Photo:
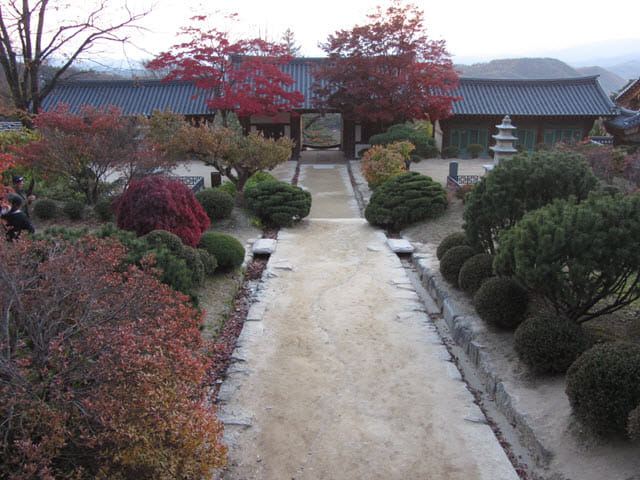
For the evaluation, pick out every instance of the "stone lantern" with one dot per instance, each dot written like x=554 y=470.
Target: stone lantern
x=504 y=141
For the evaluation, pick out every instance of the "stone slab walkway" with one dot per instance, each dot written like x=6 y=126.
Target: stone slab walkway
x=339 y=372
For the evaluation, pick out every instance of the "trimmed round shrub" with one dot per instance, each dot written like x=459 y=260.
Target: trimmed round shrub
x=451 y=240
x=452 y=262
x=475 y=271
x=549 y=343
x=74 y=209
x=217 y=203
x=160 y=203
x=227 y=250
x=405 y=199
x=430 y=152
x=450 y=152
x=603 y=386
x=164 y=238
x=475 y=149
x=278 y=204
x=102 y=209
x=501 y=302
x=45 y=209
x=209 y=262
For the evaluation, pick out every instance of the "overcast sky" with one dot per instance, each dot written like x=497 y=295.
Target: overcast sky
x=473 y=29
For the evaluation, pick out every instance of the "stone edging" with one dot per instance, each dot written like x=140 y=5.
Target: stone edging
x=463 y=335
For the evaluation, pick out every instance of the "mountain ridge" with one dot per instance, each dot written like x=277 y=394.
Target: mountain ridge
x=540 y=67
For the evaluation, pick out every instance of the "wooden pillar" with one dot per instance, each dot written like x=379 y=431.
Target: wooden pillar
x=296 y=135
x=539 y=133
x=349 y=138
x=245 y=123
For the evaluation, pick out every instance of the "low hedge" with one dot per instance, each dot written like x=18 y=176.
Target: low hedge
x=227 y=250
x=603 y=386
x=45 y=209
x=474 y=272
x=278 y=204
x=501 y=302
x=452 y=262
x=216 y=203
x=451 y=240
x=405 y=199
x=549 y=343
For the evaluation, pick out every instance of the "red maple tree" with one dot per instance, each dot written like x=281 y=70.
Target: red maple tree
x=242 y=76
x=160 y=203
x=103 y=369
x=386 y=71
x=85 y=148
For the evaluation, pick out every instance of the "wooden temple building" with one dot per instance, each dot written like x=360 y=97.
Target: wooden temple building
x=544 y=111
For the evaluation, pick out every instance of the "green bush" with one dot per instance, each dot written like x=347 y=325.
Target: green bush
x=102 y=209
x=430 y=152
x=549 y=343
x=575 y=255
x=175 y=271
x=501 y=302
x=45 y=209
x=171 y=241
x=452 y=262
x=380 y=163
x=474 y=272
x=193 y=259
x=405 y=199
x=228 y=251
x=450 y=152
x=278 y=204
x=423 y=143
x=209 y=262
x=74 y=209
x=259 y=177
x=451 y=240
x=519 y=185
x=230 y=188
x=603 y=386
x=217 y=203
x=475 y=149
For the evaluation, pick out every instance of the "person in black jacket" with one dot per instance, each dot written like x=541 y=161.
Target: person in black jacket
x=15 y=219
x=18 y=189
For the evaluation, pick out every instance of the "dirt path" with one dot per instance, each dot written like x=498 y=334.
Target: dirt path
x=340 y=374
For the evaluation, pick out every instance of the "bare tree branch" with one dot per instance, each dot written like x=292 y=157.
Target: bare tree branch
x=27 y=43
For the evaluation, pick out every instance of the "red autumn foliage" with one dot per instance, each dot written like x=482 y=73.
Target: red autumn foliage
x=387 y=70
x=84 y=148
x=161 y=203
x=102 y=369
x=612 y=165
x=242 y=76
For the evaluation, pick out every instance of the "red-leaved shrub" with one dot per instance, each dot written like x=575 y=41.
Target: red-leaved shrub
x=102 y=369
x=161 y=203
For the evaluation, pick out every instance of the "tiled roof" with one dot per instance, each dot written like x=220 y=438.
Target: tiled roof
x=628 y=90
x=624 y=120
x=300 y=70
x=581 y=96
x=132 y=96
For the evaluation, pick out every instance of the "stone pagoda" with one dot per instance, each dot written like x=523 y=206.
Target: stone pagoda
x=504 y=141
